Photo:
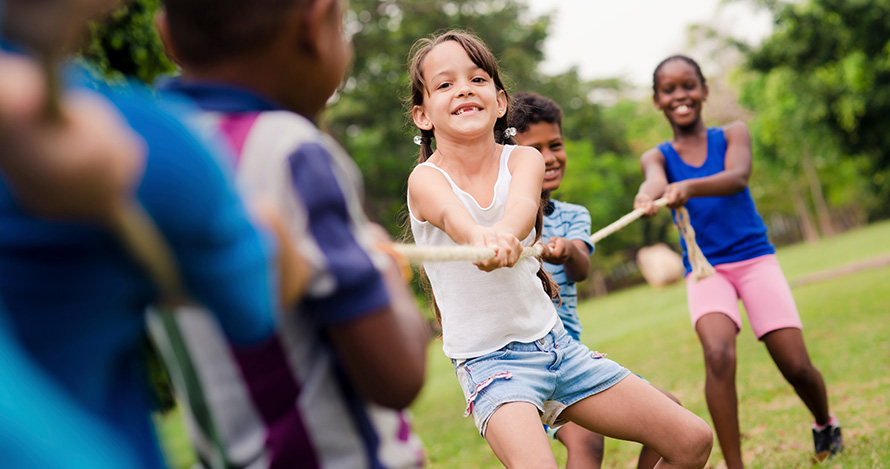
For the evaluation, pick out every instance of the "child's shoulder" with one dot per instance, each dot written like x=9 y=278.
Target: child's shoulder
x=526 y=157
x=524 y=152
x=736 y=130
x=653 y=155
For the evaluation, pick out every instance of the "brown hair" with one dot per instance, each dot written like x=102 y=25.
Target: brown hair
x=484 y=59
x=479 y=54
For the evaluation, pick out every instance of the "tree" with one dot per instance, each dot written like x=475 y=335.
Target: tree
x=127 y=45
x=834 y=56
x=368 y=115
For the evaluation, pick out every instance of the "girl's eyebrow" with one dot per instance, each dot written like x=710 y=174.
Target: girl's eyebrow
x=445 y=73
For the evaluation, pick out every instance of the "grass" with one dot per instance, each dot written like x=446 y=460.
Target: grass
x=846 y=326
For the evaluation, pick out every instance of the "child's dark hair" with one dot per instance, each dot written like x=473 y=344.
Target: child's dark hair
x=207 y=31
x=532 y=108
x=479 y=54
x=684 y=58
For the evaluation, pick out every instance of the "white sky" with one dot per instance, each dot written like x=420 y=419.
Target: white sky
x=627 y=38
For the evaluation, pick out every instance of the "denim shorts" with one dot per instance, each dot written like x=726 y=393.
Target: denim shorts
x=550 y=373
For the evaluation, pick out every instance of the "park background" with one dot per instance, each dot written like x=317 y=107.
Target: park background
x=813 y=88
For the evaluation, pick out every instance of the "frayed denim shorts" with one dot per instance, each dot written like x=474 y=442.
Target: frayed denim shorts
x=551 y=373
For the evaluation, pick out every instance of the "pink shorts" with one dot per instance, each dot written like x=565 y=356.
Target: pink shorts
x=761 y=286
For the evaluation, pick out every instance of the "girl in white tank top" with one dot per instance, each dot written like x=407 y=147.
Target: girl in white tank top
x=516 y=364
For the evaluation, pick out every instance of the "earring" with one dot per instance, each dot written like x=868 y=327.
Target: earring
x=510 y=132
x=418 y=140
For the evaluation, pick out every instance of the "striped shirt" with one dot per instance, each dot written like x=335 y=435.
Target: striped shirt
x=568 y=221
x=288 y=403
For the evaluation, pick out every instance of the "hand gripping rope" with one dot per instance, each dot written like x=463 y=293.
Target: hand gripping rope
x=701 y=268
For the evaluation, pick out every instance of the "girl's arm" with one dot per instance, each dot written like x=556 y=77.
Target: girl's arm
x=526 y=166
x=572 y=254
x=733 y=179
x=431 y=199
x=652 y=164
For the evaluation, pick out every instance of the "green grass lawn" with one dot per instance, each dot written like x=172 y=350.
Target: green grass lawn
x=846 y=326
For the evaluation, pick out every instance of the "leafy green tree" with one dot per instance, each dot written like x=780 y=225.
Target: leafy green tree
x=127 y=45
x=368 y=115
x=834 y=58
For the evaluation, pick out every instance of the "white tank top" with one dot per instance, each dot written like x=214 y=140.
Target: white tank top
x=484 y=311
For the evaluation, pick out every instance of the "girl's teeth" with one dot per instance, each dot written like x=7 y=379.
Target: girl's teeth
x=682 y=108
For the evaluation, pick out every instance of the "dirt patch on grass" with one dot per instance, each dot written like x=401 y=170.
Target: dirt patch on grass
x=847 y=269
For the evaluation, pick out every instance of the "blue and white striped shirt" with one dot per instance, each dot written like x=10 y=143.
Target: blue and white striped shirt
x=568 y=221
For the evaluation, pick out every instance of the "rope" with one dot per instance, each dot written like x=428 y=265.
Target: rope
x=701 y=268
x=623 y=221
x=417 y=255
x=142 y=239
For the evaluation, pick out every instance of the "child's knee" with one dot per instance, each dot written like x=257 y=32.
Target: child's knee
x=698 y=442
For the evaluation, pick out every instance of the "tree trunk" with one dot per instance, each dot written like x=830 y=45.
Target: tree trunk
x=822 y=212
x=807 y=228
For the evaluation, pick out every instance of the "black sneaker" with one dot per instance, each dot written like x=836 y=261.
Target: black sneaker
x=828 y=441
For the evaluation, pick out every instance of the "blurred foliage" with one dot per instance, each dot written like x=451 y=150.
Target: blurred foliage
x=126 y=44
x=368 y=115
x=816 y=91
x=822 y=87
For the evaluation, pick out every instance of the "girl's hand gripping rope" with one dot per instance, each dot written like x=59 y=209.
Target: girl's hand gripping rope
x=506 y=247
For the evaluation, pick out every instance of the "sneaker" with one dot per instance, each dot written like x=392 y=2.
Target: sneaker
x=827 y=440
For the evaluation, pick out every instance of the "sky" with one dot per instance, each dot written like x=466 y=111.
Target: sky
x=627 y=38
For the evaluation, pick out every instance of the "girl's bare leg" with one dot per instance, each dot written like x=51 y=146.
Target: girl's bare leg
x=788 y=350
x=634 y=410
x=717 y=333
x=584 y=448
x=516 y=436
x=648 y=457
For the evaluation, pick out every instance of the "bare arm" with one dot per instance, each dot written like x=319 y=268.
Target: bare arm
x=733 y=179
x=432 y=199
x=384 y=353
x=527 y=169
x=655 y=182
x=571 y=254
x=84 y=166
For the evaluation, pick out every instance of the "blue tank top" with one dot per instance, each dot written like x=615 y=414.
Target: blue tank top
x=727 y=228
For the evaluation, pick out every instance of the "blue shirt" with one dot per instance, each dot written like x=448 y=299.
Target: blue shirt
x=40 y=426
x=727 y=228
x=76 y=299
x=572 y=222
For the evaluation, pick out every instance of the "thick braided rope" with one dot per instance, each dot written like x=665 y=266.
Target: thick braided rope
x=417 y=255
x=701 y=268
x=623 y=221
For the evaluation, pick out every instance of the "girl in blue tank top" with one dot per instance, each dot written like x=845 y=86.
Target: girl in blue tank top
x=706 y=170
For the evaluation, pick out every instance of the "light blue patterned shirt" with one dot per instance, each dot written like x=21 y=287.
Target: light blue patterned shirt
x=568 y=221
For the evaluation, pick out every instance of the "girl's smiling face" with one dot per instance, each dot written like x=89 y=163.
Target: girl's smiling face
x=679 y=93
x=461 y=98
